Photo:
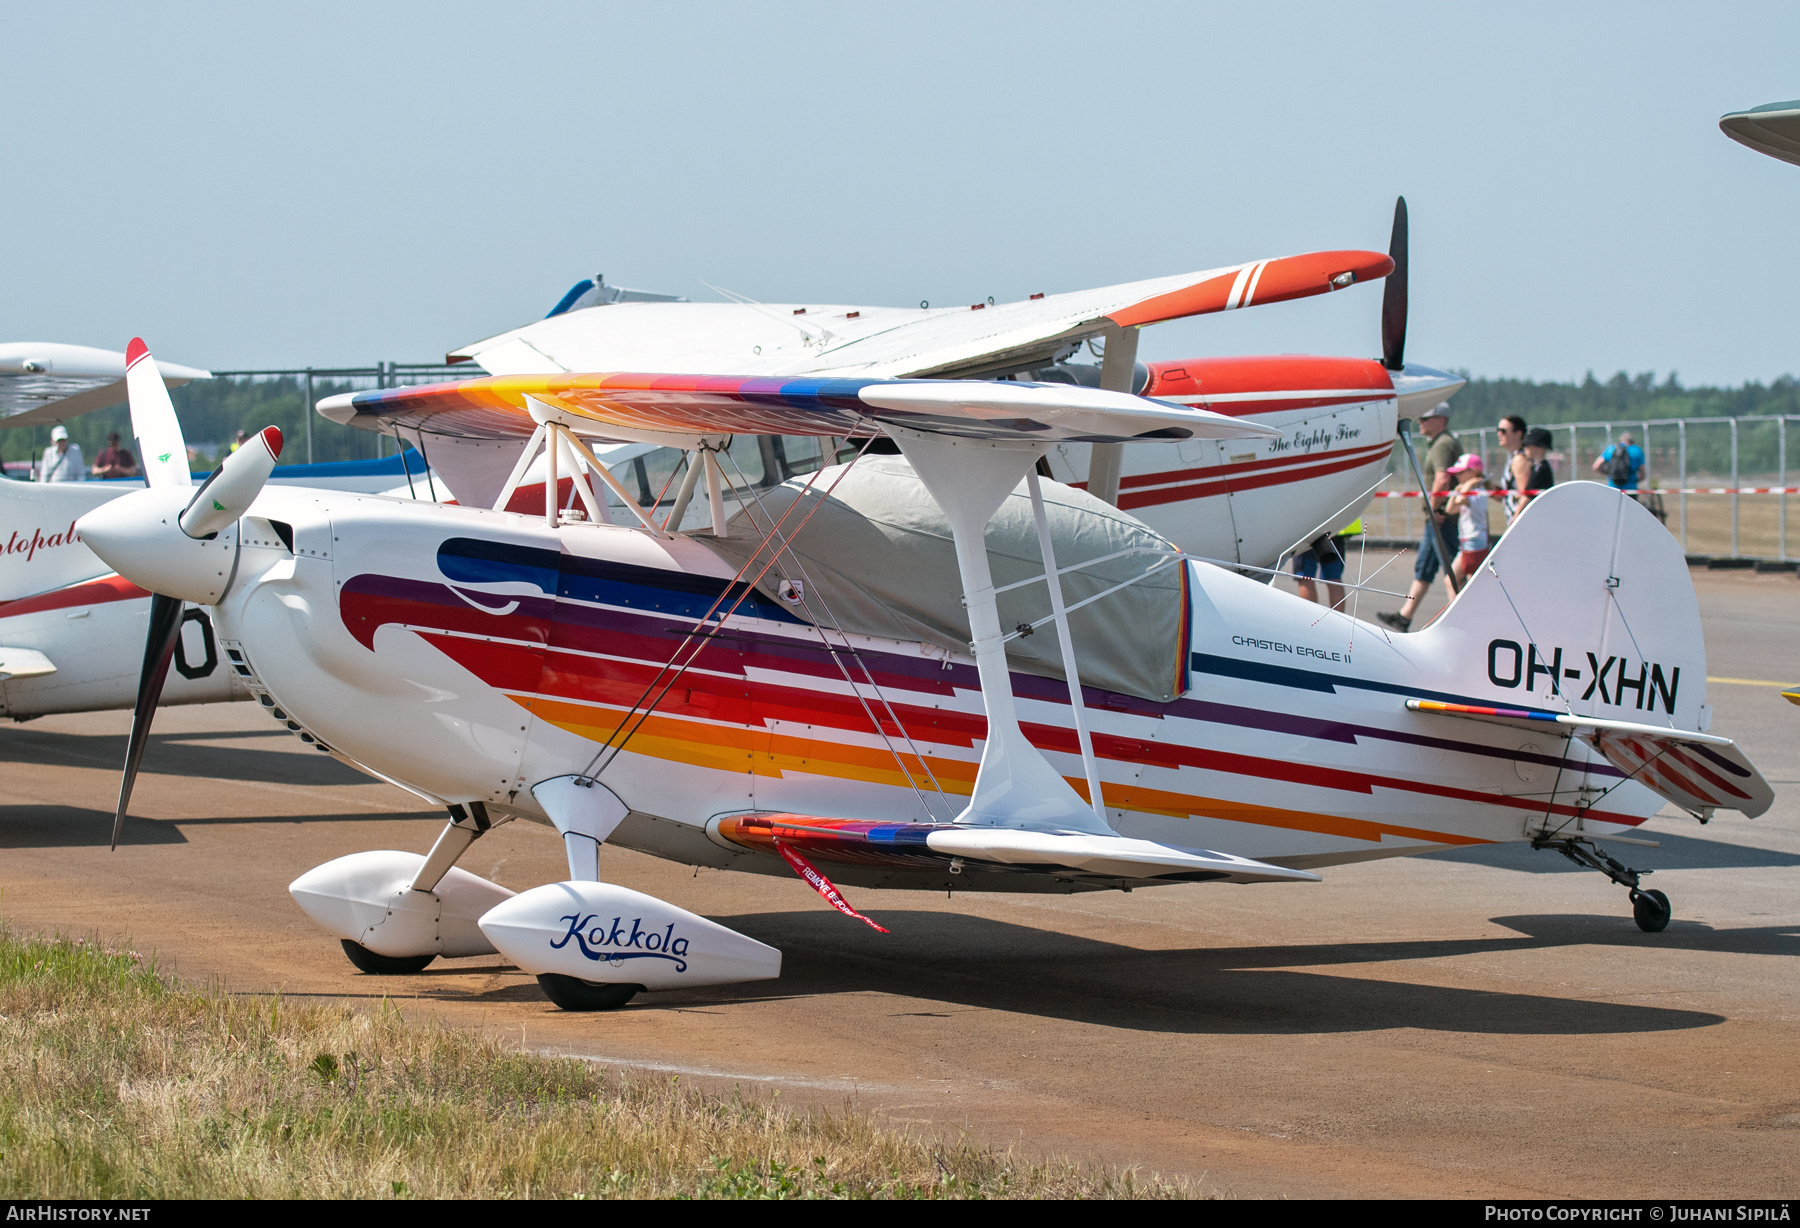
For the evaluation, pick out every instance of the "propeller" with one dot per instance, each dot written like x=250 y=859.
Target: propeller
x=225 y=496
x=159 y=648
x=1393 y=296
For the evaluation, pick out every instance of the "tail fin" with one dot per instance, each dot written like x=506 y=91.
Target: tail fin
x=1586 y=610
x=1584 y=607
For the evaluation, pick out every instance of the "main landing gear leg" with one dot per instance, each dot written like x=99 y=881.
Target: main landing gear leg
x=467 y=825
x=1649 y=907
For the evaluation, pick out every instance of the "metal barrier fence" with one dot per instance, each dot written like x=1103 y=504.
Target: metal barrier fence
x=1722 y=483
x=381 y=375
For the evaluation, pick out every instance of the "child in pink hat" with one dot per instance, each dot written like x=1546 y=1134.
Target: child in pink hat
x=1470 y=503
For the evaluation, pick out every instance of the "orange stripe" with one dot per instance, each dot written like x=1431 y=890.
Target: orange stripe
x=735 y=749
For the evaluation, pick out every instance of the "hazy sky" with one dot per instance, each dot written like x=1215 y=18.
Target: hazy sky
x=257 y=185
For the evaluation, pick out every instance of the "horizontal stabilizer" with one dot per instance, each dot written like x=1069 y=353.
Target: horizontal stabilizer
x=980 y=848
x=23 y=663
x=1696 y=771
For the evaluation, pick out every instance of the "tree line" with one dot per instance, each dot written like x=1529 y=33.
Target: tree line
x=1630 y=400
x=213 y=411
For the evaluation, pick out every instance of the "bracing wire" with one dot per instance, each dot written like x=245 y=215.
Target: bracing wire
x=785 y=545
x=676 y=662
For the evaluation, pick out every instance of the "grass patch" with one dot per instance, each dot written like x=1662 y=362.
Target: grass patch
x=118 y=1082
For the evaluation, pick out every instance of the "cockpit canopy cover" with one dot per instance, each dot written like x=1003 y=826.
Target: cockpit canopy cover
x=877 y=559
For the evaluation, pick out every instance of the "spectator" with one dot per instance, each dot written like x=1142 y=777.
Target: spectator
x=239 y=441
x=114 y=461
x=1323 y=560
x=1470 y=503
x=1518 y=470
x=62 y=459
x=1622 y=463
x=1541 y=477
x=1442 y=451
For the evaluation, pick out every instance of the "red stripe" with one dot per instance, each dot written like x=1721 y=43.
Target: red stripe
x=1701 y=770
x=88 y=592
x=1222 y=486
x=528 y=670
x=1659 y=765
x=1214 y=472
x=1244 y=409
x=1675 y=782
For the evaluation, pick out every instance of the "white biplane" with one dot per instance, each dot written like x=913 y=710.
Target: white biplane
x=923 y=675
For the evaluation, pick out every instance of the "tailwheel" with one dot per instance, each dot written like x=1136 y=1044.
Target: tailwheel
x=383 y=965
x=1650 y=909
x=577 y=995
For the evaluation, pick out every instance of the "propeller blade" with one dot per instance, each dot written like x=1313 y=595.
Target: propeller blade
x=160 y=445
x=230 y=489
x=1393 y=296
x=159 y=648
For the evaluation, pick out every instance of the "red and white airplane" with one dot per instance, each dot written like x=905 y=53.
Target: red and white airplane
x=1246 y=501
x=65 y=619
x=844 y=682
x=72 y=629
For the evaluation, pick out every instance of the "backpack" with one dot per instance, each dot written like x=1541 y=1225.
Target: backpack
x=1620 y=471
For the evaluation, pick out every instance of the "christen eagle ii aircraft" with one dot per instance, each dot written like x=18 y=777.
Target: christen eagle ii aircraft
x=819 y=693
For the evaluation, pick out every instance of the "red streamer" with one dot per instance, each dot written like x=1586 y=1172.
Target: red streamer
x=822 y=885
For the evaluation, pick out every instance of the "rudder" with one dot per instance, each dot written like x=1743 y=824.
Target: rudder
x=1586 y=607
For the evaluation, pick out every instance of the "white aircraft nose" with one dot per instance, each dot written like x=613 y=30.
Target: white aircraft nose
x=1421 y=387
x=139 y=536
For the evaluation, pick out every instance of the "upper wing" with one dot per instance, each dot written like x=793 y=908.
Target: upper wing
x=43 y=382
x=893 y=342
x=1696 y=771
x=635 y=406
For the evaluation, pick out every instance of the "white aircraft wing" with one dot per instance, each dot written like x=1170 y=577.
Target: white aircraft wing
x=1696 y=771
x=892 y=342
x=614 y=406
x=43 y=381
x=979 y=847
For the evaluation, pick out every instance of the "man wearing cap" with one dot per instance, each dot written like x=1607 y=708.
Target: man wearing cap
x=62 y=459
x=1441 y=452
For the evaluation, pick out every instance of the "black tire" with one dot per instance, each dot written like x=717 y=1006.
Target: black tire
x=1650 y=909
x=383 y=965
x=577 y=995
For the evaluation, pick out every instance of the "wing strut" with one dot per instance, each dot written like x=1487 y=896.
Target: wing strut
x=1053 y=580
x=1015 y=785
x=1107 y=460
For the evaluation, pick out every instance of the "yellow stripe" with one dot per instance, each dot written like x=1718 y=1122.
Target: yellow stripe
x=1753 y=682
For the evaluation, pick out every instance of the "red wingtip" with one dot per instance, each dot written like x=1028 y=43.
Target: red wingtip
x=136 y=350
x=272 y=439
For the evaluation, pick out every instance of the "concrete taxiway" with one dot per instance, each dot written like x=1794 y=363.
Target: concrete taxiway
x=1473 y=1023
